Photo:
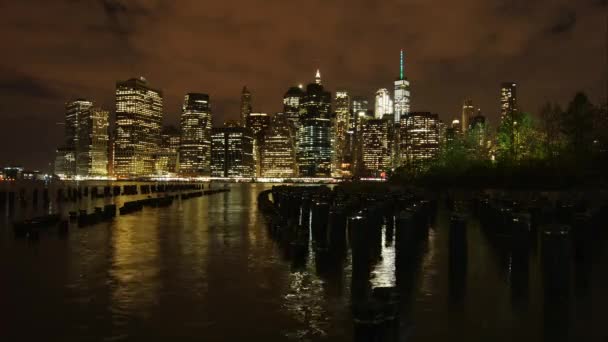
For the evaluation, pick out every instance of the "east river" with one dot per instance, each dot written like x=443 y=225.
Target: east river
x=206 y=269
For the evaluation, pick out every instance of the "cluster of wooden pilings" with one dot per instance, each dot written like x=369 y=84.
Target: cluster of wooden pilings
x=31 y=228
x=24 y=193
x=330 y=221
x=566 y=232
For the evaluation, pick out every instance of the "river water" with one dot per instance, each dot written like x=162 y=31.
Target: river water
x=206 y=269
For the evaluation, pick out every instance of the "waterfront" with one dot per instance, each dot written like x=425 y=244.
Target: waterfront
x=207 y=269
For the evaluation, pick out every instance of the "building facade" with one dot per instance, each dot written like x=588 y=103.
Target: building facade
x=232 y=152
x=92 y=143
x=508 y=100
x=195 y=143
x=167 y=159
x=420 y=138
x=258 y=123
x=402 y=92
x=139 y=113
x=341 y=128
x=375 y=147
x=384 y=104
x=468 y=111
x=291 y=105
x=278 y=157
x=315 y=135
x=246 y=107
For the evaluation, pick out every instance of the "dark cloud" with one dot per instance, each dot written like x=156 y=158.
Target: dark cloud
x=564 y=23
x=25 y=86
x=61 y=49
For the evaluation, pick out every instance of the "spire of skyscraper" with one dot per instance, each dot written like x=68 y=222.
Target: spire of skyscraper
x=401 y=66
x=318 y=77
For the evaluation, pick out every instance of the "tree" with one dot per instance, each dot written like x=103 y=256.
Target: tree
x=577 y=126
x=519 y=139
x=550 y=115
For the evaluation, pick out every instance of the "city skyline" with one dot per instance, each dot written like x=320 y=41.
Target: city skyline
x=444 y=68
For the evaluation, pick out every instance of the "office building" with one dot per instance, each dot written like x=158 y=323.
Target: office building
x=258 y=123
x=468 y=111
x=65 y=163
x=508 y=101
x=195 y=144
x=245 y=105
x=291 y=105
x=167 y=159
x=92 y=143
x=402 y=92
x=384 y=104
x=420 y=135
x=139 y=112
x=375 y=152
x=232 y=152
x=66 y=155
x=315 y=135
x=341 y=128
x=278 y=157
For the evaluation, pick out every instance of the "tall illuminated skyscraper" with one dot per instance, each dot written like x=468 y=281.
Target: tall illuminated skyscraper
x=508 y=100
x=291 y=105
x=258 y=123
x=375 y=147
x=139 y=113
x=245 y=105
x=278 y=152
x=341 y=127
x=168 y=156
x=74 y=111
x=195 y=144
x=92 y=144
x=402 y=92
x=468 y=111
x=384 y=104
x=66 y=156
x=314 y=138
x=420 y=134
x=232 y=152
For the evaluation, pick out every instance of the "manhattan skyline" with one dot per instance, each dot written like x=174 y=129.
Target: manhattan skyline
x=74 y=49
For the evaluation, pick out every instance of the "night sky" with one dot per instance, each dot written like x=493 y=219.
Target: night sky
x=54 y=50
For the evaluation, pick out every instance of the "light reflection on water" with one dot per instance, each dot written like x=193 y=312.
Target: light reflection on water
x=207 y=269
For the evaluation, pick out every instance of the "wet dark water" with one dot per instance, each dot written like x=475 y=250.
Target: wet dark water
x=206 y=269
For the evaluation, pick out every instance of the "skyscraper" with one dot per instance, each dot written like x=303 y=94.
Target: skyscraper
x=468 y=111
x=139 y=112
x=245 y=105
x=195 y=144
x=74 y=110
x=291 y=105
x=92 y=143
x=232 y=152
x=258 y=123
x=419 y=139
x=66 y=155
x=375 y=147
x=384 y=104
x=314 y=136
x=360 y=108
x=341 y=127
x=278 y=158
x=402 y=92
x=508 y=100
x=168 y=155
